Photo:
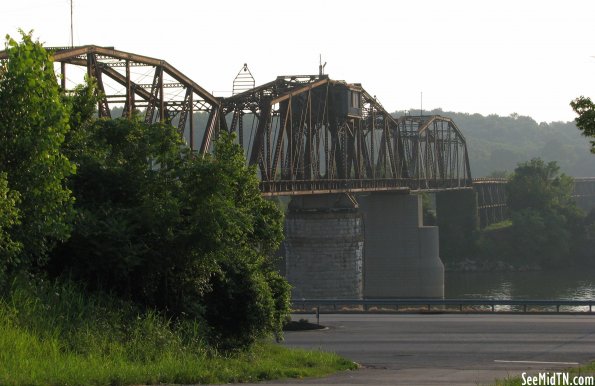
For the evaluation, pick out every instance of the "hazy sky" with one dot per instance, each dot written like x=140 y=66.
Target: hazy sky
x=502 y=57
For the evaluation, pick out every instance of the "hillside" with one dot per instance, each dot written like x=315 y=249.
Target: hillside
x=497 y=143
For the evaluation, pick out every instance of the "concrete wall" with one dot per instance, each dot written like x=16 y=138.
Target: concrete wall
x=324 y=247
x=401 y=255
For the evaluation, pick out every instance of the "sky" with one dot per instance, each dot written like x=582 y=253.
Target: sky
x=488 y=57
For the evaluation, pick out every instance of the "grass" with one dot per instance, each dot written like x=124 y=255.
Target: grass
x=584 y=370
x=54 y=334
x=498 y=226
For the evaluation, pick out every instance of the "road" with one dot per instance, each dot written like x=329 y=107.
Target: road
x=413 y=349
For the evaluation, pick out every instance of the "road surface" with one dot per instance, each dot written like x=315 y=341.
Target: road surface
x=447 y=349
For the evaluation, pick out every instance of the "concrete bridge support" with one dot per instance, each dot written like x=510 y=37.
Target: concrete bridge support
x=458 y=220
x=324 y=247
x=401 y=255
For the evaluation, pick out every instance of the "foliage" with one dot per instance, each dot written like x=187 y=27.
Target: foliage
x=171 y=230
x=55 y=333
x=585 y=121
x=33 y=124
x=546 y=224
x=540 y=186
x=499 y=225
x=124 y=207
x=8 y=218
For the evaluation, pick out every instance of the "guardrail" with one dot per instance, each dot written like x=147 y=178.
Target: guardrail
x=441 y=305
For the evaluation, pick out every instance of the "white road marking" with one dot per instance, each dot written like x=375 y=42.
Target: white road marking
x=537 y=362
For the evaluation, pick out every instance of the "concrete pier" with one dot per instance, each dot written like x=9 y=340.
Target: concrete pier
x=324 y=247
x=401 y=255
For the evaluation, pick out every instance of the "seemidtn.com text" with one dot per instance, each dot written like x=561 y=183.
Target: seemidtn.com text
x=557 y=379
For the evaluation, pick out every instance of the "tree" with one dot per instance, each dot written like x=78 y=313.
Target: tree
x=9 y=217
x=546 y=223
x=539 y=185
x=33 y=124
x=585 y=121
x=189 y=235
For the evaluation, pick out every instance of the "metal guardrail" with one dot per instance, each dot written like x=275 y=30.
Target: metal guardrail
x=425 y=305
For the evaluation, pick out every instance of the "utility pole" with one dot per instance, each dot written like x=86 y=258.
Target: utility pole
x=71 y=28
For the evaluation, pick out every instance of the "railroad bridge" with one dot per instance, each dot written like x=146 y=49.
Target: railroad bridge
x=354 y=225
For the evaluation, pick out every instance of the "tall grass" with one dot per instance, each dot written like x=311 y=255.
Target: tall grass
x=55 y=334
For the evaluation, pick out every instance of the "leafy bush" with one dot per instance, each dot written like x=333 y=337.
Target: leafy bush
x=9 y=217
x=56 y=333
x=33 y=124
x=152 y=222
x=546 y=224
x=171 y=230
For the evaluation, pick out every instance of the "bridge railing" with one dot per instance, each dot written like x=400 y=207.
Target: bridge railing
x=441 y=305
x=320 y=186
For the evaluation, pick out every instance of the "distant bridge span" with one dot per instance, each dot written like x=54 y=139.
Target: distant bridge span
x=492 y=206
x=306 y=134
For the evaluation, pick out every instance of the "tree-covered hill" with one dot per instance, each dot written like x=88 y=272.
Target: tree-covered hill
x=497 y=143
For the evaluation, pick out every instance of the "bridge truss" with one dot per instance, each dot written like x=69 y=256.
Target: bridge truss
x=130 y=82
x=306 y=134
x=311 y=134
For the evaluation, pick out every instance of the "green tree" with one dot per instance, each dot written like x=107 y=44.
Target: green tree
x=585 y=121
x=33 y=124
x=246 y=298
x=546 y=224
x=189 y=235
x=539 y=185
x=8 y=218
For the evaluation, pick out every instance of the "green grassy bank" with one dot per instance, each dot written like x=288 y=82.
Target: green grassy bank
x=55 y=334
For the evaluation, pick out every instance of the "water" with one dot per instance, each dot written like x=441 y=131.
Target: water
x=546 y=285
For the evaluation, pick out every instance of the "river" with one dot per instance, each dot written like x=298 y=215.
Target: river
x=563 y=284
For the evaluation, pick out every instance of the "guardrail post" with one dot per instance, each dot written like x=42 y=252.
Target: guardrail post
x=493 y=308
x=524 y=308
x=318 y=315
x=557 y=308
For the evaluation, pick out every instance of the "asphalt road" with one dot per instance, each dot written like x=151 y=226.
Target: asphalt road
x=411 y=349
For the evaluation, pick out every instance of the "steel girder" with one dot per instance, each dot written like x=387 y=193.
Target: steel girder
x=435 y=151
x=312 y=134
x=492 y=205
x=137 y=83
x=306 y=133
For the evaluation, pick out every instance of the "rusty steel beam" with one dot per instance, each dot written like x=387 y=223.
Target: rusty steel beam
x=162 y=101
x=146 y=60
x=313 y=128
x=309 y=133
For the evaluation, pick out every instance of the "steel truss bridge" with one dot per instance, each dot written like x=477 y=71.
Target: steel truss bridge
x=307 y=134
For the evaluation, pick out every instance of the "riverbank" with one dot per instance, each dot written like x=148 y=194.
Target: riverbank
x=53 y=333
